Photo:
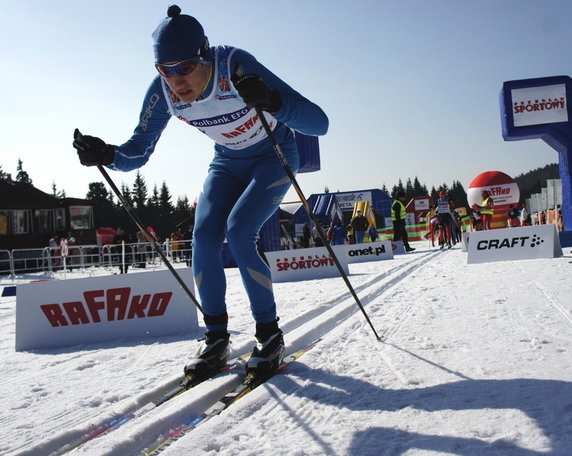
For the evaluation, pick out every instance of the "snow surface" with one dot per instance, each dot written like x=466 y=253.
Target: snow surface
x=475 y=361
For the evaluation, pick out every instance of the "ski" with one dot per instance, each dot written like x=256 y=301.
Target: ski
x=249 y=383
x=186 y=383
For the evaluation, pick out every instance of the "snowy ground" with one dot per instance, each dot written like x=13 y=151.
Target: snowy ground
x=475 y=361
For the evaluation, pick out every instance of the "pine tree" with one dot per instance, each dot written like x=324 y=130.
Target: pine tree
x=418 y=189
x=104 y=211
x=458 y=194
x=408 y=190
x=22 y=176
x=153 y=202
x=5 y=176
x=166 y=210
x=58 y=194
x=139 y=192
x=126 y=193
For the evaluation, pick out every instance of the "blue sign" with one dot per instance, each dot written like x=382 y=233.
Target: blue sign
x=539 y=109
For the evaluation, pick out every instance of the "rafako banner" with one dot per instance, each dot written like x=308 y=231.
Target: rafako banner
x=62 y=313
x=526 y=242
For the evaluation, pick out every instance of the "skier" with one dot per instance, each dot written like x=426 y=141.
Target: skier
x=444 y=219
x=216 y=89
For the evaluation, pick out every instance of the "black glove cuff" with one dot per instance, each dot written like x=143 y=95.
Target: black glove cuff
x=275 y=102
x=109 y=155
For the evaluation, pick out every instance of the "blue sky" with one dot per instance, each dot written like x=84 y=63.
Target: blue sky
x=411 y=87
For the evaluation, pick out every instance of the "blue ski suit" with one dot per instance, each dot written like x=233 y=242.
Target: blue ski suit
x=246 y=181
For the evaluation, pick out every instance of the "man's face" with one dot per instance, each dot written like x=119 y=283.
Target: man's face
x=189 y=87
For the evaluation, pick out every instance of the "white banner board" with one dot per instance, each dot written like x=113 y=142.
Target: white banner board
x=306 y=264
x=63 y=313
x=397 y=247
x=521 y=243
x=373 y=251
x=539 y=105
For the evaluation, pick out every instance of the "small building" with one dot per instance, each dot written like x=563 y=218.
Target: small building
x=29 y=217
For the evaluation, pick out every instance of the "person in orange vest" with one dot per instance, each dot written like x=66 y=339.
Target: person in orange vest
x=487 y=209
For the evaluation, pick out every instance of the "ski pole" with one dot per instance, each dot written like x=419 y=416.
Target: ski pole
x=148 y=235
x=306 y=205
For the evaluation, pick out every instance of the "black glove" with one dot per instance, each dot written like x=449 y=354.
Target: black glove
x=255 y=92
x=92 y=151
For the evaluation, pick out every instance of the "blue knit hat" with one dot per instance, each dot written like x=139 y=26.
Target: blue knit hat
x=177 y=37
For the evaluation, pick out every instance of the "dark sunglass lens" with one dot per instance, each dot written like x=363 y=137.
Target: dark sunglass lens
x=163 y=71
x=186 y=67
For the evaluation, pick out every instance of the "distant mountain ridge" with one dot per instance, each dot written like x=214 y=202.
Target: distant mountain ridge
x=532 y=181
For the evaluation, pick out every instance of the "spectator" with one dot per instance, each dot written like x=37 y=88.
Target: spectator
x=339 y=235
x=330 y=234
x=373 y=234
x=317 y=239
x=121 y=249
x=306 y=235
x=350 y=234
x=398 y=215
x=142 y=246
x=512 y=217
x=476 y=217
x=54 y=244
x=359 y=224
x=188 y=236
x=431 y=218
x=177 y=245
x=487 y=209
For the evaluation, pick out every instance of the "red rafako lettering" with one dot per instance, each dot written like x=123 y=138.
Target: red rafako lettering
x=241 y=128
x=138 y=305
x=113 y=304
x=117 y=301
x=93 y=305
x=159 y=304
x=76 y=312
x=54 y=314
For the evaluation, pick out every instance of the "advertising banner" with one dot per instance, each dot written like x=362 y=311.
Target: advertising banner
x=521 y=243
x=63 y=313
x=539 y=105
x=373 y=251
x=306 y=264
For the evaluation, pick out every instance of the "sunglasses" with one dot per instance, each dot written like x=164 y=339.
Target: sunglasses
x=182 y=68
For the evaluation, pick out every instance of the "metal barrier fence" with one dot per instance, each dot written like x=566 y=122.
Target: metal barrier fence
x=48 y=260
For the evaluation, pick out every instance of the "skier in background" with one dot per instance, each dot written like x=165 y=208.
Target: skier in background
x=216 y=89
x=444 y=219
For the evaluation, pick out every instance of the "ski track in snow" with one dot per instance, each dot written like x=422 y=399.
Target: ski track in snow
x=441 y=382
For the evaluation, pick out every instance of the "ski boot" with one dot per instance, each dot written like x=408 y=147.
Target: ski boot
x=268 y=353
x=211 y=356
